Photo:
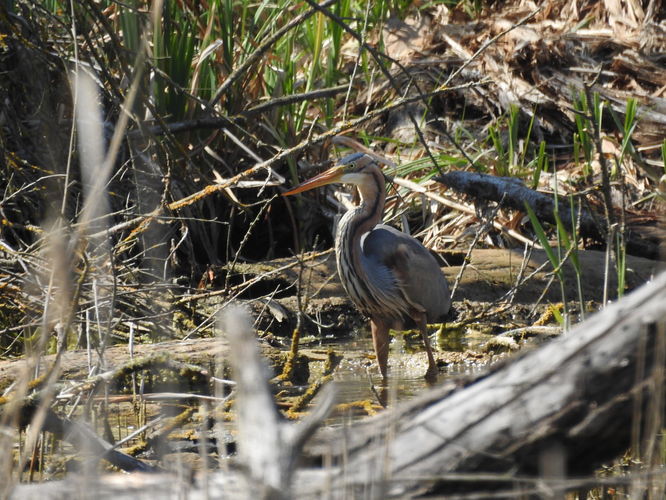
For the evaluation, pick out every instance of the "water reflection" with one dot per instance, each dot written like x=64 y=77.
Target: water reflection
x=358 y=377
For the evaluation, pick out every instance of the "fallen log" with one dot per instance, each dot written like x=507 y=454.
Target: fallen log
x=490 y=275
x=556 y=411
x=513 y=193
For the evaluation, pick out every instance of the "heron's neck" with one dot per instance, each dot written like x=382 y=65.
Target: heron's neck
x=369 y=212
x=360 y=220
x=351 y=227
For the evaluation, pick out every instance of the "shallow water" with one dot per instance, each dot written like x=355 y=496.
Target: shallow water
x=357 y=378
x=358 y=396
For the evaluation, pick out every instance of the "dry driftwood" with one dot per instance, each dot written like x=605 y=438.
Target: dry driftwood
x=512 y=193
x=573 y=401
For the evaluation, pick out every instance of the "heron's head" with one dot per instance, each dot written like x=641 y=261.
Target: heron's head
x=352 y=169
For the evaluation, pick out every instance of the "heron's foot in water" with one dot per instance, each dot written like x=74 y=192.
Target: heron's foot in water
x=431 y=375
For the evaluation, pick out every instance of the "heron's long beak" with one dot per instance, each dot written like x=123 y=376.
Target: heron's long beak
x=330 y=176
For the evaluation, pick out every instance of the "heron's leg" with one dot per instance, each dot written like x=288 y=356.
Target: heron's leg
x=380 y=339
x=421 y=321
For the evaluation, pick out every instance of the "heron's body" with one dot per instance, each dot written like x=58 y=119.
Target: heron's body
x=388 y=275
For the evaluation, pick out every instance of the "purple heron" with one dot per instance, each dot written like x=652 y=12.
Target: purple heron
x=388 y=275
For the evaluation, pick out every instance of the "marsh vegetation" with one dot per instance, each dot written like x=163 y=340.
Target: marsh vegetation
x=144 y=149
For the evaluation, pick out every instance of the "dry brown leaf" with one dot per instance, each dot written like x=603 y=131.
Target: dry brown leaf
x=406 y=40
